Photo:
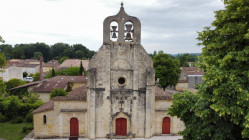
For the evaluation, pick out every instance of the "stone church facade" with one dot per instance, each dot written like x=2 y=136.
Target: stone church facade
x=120 y=99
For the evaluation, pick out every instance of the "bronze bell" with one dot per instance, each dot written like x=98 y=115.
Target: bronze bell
x=114 y=28
x=128 y=36
x=114 y=35
x=128 y=27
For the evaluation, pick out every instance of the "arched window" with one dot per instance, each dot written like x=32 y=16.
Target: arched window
x=128 y=32
x=114 y=31
x=44 y=119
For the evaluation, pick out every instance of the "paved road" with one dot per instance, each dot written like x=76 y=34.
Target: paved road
x=153 y=138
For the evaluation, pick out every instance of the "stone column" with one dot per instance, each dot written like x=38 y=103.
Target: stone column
x=92 y=116
x=149 y=103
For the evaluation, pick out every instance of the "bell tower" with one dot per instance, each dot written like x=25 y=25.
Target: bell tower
x=128 y=29
x=121 y=82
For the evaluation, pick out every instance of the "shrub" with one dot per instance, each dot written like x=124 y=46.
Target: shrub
x=17 y=119
x=29 y=116
x=11 y=107
x=3 y=118
x=58 y=92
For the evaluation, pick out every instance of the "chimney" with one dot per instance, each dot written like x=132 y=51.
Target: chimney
x=41 y=68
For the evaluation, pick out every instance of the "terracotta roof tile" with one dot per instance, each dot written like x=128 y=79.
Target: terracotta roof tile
x=46 y=107
x=74 y=63
x=26 y=85
x=78 y=94
x=195 y=73
x=58 y=82
x=27 y=65
x=190 y=69
x=160 y=94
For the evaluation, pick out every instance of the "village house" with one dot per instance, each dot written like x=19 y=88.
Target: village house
x=74 y=63
x=50 y=65
x=10 y=72
x=120 y=99
x=44 y=87
x=189 y=78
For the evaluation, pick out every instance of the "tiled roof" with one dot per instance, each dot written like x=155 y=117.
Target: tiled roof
x=195 y=73
x=26 y=85
x=46 y=107
x=27 y=65
x=50 y=65
x=74 y=63
x=78 y=94
x=58 y=82
x=190 y=69
x=32 y=60
x=160 y=94
x=20 y=61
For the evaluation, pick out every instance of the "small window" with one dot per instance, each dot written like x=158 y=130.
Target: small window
x=121 y=81
x=44 y=119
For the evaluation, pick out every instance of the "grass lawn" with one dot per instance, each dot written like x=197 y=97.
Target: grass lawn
x=10 y=131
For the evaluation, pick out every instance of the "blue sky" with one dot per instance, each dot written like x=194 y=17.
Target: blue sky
x=168 y=25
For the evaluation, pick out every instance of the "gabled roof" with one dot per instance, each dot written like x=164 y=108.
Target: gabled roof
x=58 y=82
x=46 y=107
x=160 y=94
x=27 y=85
x=74 y=63
x=78 y=94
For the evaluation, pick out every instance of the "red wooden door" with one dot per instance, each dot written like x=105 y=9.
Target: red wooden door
x=74 y=127
x=166 y=125
x=121 y=127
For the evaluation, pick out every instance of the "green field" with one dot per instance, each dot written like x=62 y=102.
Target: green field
x=10 y=131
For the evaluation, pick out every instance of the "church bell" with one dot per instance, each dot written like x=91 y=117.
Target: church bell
x=128 y=36
x=114 y=35
x=114 y=30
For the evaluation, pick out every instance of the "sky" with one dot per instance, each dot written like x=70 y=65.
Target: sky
x=167 y=25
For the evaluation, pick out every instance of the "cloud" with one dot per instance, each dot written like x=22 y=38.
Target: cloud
x=166 y=25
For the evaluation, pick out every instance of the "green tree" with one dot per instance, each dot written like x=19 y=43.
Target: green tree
x=221 y=110
x=58 y=92
x=62 y=59
x=8 y=50
x=36 y=76
x=14 y=83
x=25 y=74
x=11 y=107
x=53 y=72
x=167 y=69
x=1 y=39
x=2 y=88
x=3 y=61
x=81 y=68
x=37 y=55
x=58 y=50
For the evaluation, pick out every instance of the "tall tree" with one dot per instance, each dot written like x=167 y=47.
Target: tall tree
x=167 y=69
x=53 y=72
x=37 y=55
x=3 y=61
x=81 y=68
x=1 y=39
x=221 y=106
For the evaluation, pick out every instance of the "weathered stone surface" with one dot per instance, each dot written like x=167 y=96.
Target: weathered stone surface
x=121 y=84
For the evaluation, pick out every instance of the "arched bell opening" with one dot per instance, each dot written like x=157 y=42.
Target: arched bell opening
x=128 y=32
x=114 y=31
